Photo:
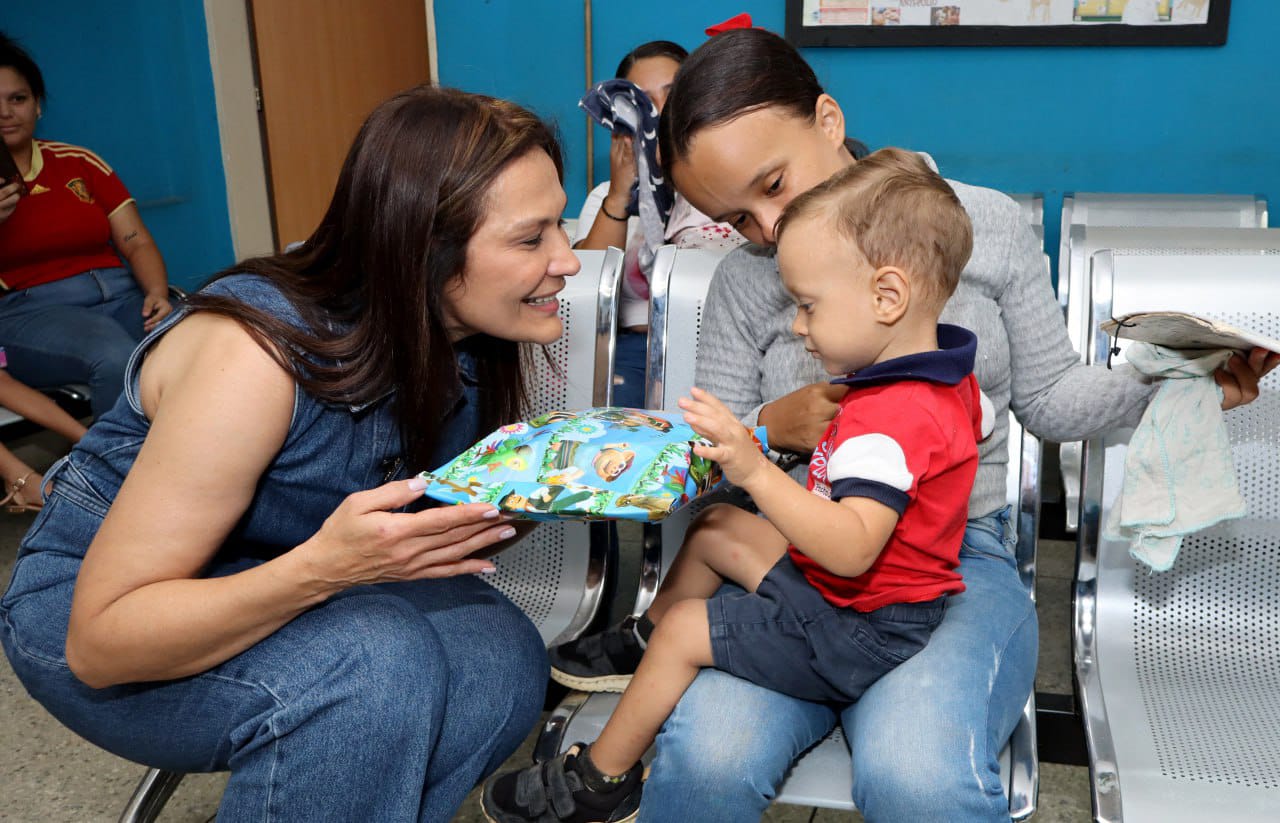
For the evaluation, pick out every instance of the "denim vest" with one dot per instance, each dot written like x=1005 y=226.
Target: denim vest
x=329 y=452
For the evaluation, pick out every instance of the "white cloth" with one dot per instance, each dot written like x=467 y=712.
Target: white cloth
x=1178 y=473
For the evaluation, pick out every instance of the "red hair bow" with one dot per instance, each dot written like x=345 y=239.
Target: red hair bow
x=738 y=21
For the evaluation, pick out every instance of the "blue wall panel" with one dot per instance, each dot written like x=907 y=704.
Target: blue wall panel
x=1054 y=120
x=131 y=81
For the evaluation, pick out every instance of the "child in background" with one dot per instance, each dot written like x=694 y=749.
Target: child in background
x=608 y=218
x=22 y=484
x=847 y=579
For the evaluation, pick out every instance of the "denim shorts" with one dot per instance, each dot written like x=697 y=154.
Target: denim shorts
x=787 y=637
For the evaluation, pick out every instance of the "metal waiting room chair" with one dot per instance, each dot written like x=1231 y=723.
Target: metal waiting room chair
x=823 y=776
x=1178 y=672
x=557 y=573
x=1204 y=211
x=1032 y=205
x=1083 y=242
x=675 y=323
x=1095 y=210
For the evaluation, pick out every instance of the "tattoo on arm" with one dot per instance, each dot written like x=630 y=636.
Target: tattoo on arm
x=129 y=236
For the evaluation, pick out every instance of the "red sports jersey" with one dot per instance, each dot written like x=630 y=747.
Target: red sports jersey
x=906 y=435
x=60 y=229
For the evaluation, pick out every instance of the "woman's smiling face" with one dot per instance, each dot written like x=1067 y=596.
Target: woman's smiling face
x=516 y=260
x=746 y=170
x=19 y=110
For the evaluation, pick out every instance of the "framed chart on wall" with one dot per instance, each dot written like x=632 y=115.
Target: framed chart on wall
x=1007 y=22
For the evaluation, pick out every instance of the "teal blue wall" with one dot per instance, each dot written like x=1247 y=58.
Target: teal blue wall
x=131 y=80
x=1196 y=120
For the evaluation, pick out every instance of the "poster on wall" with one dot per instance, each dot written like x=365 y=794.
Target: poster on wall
x=1007 y=22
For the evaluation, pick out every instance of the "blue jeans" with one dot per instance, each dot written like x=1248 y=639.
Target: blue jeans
x=629 y=368
x=386 y=702
x=924 y=738
x=81 y=329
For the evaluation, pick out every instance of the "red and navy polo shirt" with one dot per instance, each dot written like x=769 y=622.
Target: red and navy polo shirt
x=61 y=228
x=906 y=435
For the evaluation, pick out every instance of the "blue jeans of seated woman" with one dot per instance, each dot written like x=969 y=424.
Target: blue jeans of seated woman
x=386 y=702
x=925 y=738
x=81 y=329
x=629 y=369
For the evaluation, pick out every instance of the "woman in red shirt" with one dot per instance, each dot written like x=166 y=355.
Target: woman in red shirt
x=70 y=312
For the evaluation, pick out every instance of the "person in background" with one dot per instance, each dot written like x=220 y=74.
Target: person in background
x=22 y=484
x=70 y=309
x=606 y=221
x=225 y=575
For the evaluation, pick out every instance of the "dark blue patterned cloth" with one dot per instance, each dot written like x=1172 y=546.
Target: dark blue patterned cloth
x=622 y=108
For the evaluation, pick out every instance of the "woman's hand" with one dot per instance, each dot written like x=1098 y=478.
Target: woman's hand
x=1239 y=377
x=9 y=198
x=797 y=421
x=155 y=306
x=365 y=541
x=622 y=174
x=734 y=448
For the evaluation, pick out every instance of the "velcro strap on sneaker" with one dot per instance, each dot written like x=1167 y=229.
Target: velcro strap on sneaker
x=562 y=786
x=531 y=794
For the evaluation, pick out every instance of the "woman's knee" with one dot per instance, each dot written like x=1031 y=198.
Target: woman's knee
x=924 y=751
x=520 y=673
x=374 y=654
x=505 y=671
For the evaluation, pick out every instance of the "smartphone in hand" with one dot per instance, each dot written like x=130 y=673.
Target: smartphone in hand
x=9 y=171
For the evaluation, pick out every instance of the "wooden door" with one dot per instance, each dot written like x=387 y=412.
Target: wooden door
x=323 y=65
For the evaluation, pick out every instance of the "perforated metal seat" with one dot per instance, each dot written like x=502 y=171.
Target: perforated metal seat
x=556 y=575
x=824 y=775
x=677 y=290
x=1079 y=244
x=1098 y=209
x=1179 y=671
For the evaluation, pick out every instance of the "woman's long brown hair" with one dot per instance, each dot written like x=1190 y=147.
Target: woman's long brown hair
x=369 y=282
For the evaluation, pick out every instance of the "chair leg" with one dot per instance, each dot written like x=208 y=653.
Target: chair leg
x=154 y=790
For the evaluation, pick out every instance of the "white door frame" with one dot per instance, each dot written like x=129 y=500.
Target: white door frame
x=239 y=127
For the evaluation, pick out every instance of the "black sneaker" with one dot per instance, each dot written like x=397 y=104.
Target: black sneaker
x=556 y=792
x=601 y=662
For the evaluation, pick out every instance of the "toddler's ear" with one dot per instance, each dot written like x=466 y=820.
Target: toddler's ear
x=891 y=293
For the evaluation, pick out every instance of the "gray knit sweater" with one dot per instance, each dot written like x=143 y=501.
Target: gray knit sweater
x=747 y=355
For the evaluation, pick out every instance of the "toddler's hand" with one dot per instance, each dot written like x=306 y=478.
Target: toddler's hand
x=735 y=449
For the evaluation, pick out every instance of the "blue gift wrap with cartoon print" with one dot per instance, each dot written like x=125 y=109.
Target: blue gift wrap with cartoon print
x=605 y=463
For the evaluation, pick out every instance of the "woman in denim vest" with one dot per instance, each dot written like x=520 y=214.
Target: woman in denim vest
x=224 y=575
